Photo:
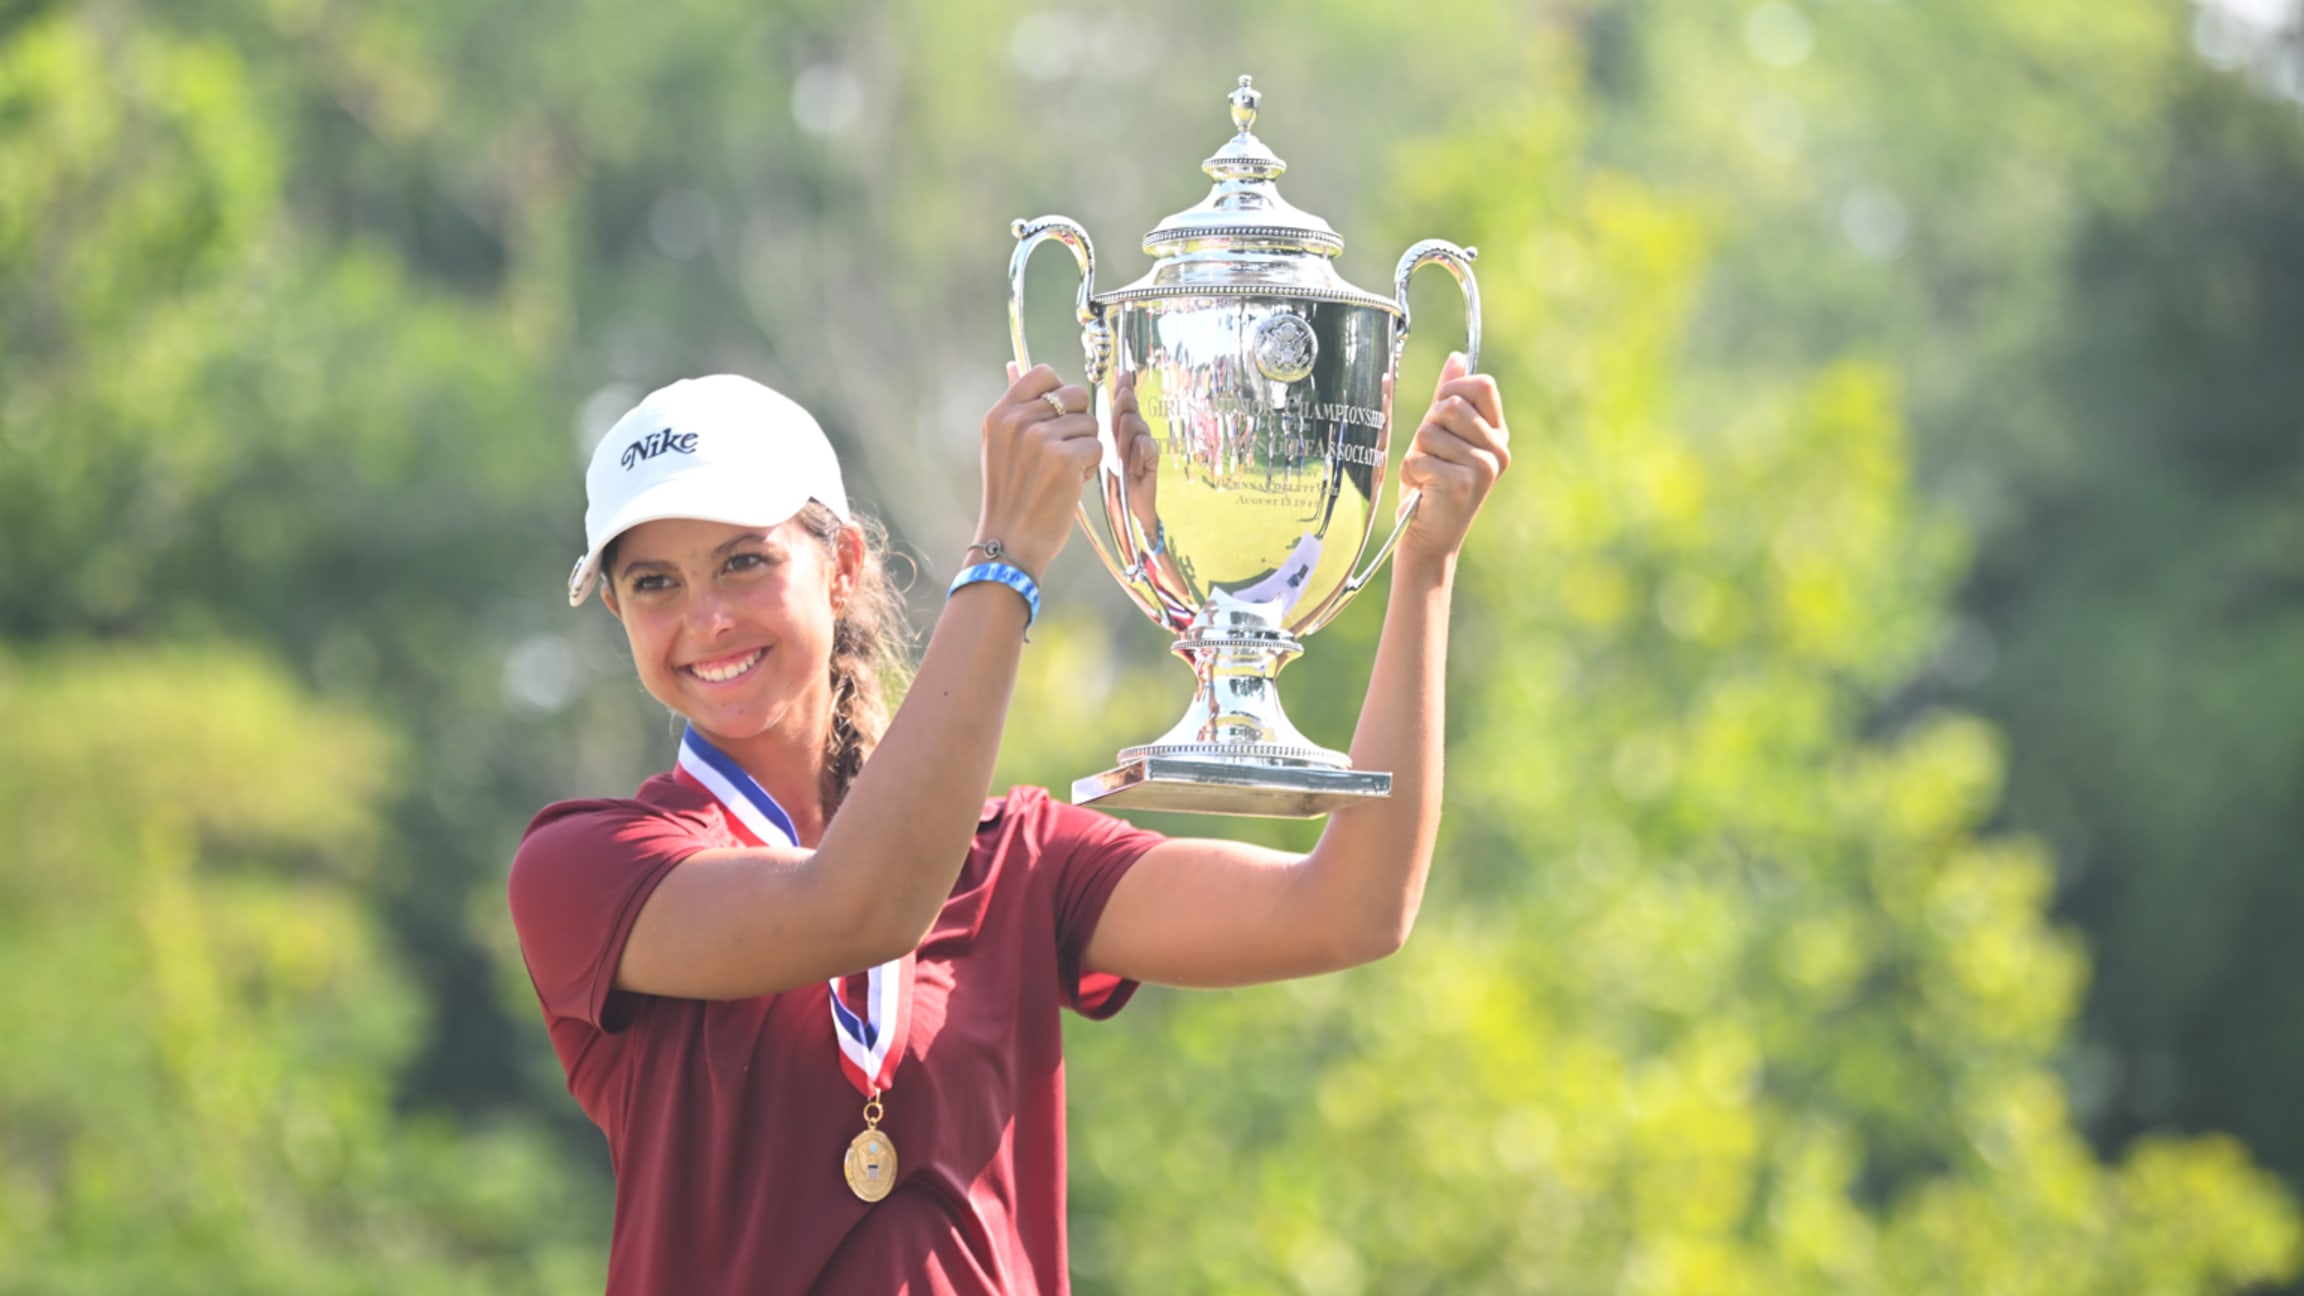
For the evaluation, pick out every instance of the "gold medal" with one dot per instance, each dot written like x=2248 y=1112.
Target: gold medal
x=870 y=1165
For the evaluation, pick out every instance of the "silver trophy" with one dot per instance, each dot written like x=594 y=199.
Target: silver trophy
x=1266 y=381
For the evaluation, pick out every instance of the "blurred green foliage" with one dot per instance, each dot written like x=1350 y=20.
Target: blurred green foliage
x=2073 y=229
x=1732 y=976
x=204 y=1027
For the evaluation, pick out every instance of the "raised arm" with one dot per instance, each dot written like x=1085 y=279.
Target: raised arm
x=737 y=923
x=1202 y=912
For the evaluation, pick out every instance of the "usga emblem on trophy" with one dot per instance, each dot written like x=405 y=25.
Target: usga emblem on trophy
x=1266 y=381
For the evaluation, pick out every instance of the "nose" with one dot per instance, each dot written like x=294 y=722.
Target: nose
x=707 y=615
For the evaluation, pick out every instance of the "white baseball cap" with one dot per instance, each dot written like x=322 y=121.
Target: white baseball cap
x=721 y=448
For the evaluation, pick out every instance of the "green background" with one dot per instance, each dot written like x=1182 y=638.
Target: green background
x=1876 y=714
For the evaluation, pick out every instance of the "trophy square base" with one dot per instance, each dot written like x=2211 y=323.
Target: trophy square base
x=1229 y=788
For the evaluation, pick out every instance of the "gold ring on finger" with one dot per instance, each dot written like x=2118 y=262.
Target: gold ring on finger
x=1055 y=402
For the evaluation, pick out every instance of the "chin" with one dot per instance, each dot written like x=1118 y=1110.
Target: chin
x=737 y=719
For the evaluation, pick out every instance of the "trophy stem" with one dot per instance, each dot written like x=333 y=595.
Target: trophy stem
x=1234 y=751
x=1236 y=714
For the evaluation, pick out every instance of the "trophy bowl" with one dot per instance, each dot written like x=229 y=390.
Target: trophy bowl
x=1265 y=381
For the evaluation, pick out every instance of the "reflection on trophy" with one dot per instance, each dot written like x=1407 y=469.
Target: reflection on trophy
x=1244 y=392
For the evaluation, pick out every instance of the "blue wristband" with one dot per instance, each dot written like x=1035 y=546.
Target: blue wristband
x=1010 y=575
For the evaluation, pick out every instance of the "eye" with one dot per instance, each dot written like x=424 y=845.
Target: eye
x=648 y=583
x=747 y=561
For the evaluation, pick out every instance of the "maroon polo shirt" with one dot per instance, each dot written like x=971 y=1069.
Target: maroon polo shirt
x=727 y=1120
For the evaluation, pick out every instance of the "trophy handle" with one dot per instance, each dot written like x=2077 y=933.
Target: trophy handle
x=1459 y=262
x=1095 y=337
x=1096 y=340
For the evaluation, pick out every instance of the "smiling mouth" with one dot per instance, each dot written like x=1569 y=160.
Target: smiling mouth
x=720 y=670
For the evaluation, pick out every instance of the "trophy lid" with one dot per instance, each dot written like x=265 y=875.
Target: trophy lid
x=1244 y=210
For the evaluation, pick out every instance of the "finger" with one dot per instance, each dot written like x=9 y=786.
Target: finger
x=1033 y=383
x=1460 y=417
x=1442 y=478
x=1073 y=428
x=1454 y=416
x=1457 y=454
x=1440 y=443
x=1040 y=418
x=1457 y=433
x=1143 y=452
x=1076 y=402
x=1129 y=429
x=1479 y=390
x=1132 y=431
x=1433 y=476
x=1013 y=373
x=1488 y=465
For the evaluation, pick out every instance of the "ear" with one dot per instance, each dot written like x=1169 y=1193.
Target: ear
x=847 y=559
x=608 y=598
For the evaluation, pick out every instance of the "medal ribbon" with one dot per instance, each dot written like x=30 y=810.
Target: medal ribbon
x=872 y=1041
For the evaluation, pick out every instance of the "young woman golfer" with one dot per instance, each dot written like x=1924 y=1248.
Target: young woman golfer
x=807 y=981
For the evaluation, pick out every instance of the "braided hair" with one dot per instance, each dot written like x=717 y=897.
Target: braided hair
x=870 y=654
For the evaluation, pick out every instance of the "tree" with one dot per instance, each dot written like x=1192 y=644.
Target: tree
x=1718 y=988
x=2072 y=226
x=1722 y=983
x=206 y=1031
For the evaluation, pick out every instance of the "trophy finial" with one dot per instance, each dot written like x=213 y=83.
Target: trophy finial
x=1244 y=105
x=1244 y=158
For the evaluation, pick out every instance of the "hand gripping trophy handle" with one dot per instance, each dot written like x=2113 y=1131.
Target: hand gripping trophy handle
x=1459 y=262
x=1095 y=340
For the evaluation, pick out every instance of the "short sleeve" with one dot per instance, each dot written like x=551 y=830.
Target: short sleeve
x=582 y=873
x=1088 y=853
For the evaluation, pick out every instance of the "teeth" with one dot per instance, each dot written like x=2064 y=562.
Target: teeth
x=722 y=674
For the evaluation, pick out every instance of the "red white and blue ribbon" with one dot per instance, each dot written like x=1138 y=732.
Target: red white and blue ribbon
x=871 y=1038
